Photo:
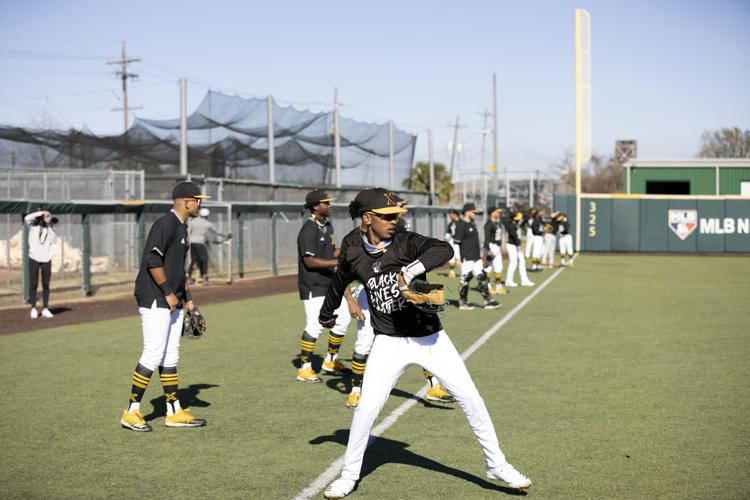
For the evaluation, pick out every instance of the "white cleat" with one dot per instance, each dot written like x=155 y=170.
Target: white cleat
x=34 y=313
x=339 y=488
x=527 y=283
x=510 y=284
x=509 y=475
x=47 y=313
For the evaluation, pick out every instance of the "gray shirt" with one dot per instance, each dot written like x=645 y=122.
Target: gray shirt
x=199 y=230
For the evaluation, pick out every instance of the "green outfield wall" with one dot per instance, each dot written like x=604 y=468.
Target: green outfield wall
x=645 y=223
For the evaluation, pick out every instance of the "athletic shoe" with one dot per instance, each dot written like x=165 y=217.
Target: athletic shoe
x=333 y=366
x=492 y=305
x=452 y=274
x=353 y=400
x=339 y=488
x=439 y=394
x=134 y=421
x=307 y=375
x=571 y=264
x=510 y=475
x=34 y=313
x=510 y=284
x=465 y=307
x=47 y=313
x=183 y=418
x=501 y=290
x=527 y=283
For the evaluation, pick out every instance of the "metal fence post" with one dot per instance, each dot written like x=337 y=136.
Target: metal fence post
x=240 y=246
x=86 y=258
x=25 y=292
x=274 y=256
x=141 y=237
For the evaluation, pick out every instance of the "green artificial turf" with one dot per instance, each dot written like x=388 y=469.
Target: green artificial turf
x=627 y=377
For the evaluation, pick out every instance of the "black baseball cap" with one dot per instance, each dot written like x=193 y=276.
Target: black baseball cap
x=378 y=201
x=187 y=189
x=469 y=207
x=315 y=197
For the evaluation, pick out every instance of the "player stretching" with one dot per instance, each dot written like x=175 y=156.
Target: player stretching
x=493 y=235
x=161 y=292
x=316 y=248
x=566 y=240
x=467 y=238
x=385 y=261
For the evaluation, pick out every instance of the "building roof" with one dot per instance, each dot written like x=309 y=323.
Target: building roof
x=690 y=163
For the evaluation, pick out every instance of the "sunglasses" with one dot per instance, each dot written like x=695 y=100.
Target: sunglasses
x=386 y=217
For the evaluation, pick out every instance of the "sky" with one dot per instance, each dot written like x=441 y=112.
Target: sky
x=663 y=72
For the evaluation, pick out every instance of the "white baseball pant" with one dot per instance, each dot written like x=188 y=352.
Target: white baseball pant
x=566 y=244
x=162 y=331
x=538 y=249
x=529 y=242
x=548 y=256
x=312 y=311
x=365 y=333
x=515 y=260
x=497 y=260
x=390 y=357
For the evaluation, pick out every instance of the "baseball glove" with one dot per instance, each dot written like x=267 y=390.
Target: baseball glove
x=193 y=324
x=427 y=297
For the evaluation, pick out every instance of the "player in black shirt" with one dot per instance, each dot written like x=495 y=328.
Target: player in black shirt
x=316 y=261
x=450 y=230
x=493 y=235
x=537 y=236
x=385 y=261
x=161 y=293
x=566 y=240
x=467 y=239
x=516 y=258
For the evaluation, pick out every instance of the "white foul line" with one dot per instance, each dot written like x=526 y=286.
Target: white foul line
x=333 y=470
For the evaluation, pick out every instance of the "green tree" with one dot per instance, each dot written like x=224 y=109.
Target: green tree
x=725 y=143
x=419 y=180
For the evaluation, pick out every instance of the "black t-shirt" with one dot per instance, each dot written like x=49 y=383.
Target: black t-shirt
x=467 y=238
x=492 y=233
x=451 y=228
x=537 y=228
x=166 y=246
x=511 y=230
x=314 y=240
x=390 y=313
x=564 y=226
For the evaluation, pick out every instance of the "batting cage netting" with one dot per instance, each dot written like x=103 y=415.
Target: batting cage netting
x=227 y=136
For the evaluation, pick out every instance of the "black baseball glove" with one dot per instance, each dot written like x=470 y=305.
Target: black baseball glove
x=194 y=324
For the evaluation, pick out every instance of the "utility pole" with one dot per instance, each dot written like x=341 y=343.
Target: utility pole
x=485 y=115
x=494 y=137
x=454 y=147
x=336 y=136
x=432 y=167
x=124 y=74
x=183 y=127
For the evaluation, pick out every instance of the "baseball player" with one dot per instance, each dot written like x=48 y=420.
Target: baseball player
x=316 y=251
x=161 y=293
x=537 y=237
x=525 y=225
x=493 y=235
x=386 y=261
x=550 y=230
x=467 y=238
x=566 y=240
x=200 y=230
x=41 y=238
x=515 y=254
x=450 y=230
x=365 y=333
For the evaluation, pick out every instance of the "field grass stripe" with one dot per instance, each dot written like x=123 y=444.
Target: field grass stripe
x=332 y=472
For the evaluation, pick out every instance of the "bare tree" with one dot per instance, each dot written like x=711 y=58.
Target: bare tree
x=725 y=143
x=600 y=175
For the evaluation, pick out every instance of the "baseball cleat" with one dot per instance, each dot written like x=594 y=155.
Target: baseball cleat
x=492 y=305
x=34 y=313
x=509 y=475
x=47 y=313
x=452 y=274
x=527 y=283
x=333 y=366
x=339 y=488
x=183 y=418
x=439 y=394
x=501 y=290
x=353 y=400
x=134 y=421
x=465 y=307
x=307 y=375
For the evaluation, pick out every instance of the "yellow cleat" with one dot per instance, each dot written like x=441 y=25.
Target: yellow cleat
x=437 y=393
x=353 y=400
x=501 y=290
x=452 y=274
x=333 y=366
x=307 y=375
x=134 y=421
x=184 y=418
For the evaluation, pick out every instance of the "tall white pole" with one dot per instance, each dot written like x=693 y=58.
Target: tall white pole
x=337 y=136
x=531 y=191
x=583 y=105
x=432 y=167
x=183 y=127
x=391 y=158
x=271 y=146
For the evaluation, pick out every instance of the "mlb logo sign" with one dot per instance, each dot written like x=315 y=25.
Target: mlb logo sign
x=683 y=222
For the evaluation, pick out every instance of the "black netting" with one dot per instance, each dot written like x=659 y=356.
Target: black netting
x=227 y=137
